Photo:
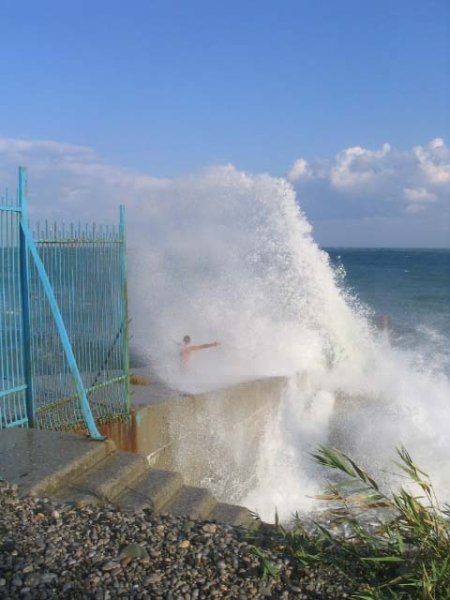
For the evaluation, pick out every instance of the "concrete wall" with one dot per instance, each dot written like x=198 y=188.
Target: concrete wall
x=211 y=439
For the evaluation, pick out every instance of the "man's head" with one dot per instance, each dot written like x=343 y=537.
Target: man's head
x=187 y=339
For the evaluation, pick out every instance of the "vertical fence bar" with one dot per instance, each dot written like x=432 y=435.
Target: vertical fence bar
x=25 y=295
x=123 y=276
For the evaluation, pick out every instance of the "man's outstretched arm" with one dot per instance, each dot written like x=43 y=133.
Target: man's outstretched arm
x=203 y=346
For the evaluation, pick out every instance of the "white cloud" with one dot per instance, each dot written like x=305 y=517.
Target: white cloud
x=71 y=181
x=418 y=198
x=434 y=162
x=437 y=143
x=410 y=181
x=356 y=167
x=418 y=195
x=300 y=170
x=17 y=147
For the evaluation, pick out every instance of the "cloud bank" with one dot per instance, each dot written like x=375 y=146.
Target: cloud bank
x=392 y=197
x=362 y=197
x=72 y=182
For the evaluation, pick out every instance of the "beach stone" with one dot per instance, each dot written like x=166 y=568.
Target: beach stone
x=134 y=551
x=8 y=545
x=32 y=580
x=153 y=578
x=28 y=569
x=75 y=555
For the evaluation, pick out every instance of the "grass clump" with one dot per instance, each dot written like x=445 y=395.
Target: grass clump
x=401 y=552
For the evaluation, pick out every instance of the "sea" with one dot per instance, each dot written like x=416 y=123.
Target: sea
x=401 y=398
x=406 y=290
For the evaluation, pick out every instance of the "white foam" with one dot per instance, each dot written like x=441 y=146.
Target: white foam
x=229 y=256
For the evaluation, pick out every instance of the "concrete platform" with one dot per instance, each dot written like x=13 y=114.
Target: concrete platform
x=212 y=438
x=38 y=460
x=156 y=392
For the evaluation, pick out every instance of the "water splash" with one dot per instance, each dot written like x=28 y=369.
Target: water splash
x=229 y=256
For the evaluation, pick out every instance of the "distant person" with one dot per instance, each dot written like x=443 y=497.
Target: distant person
x=187 y=349
x=385 y=326
x=385 y=322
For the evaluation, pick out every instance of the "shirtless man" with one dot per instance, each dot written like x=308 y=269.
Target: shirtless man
x=187 y=349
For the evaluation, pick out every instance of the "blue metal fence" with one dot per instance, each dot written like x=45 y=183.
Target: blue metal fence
x=63 y=317
x=13 y=386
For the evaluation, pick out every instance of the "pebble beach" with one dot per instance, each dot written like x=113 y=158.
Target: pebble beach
x=57 y=551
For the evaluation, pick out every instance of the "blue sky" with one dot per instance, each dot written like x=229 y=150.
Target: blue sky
x=169 y=87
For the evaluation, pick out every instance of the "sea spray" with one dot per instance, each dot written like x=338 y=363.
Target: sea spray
x=286 y=479
x=229 y=256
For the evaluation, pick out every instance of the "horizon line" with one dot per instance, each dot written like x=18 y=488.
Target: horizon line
x=339 y=247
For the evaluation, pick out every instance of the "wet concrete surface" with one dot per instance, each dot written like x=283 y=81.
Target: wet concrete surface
x=31 y=456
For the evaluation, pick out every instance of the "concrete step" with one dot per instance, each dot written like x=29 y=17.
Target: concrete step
x=98 y=453
x=232 y=514
x=153 y=490
x=106 y=480
x=192 y=502
x=72 y=468
x=41 y=461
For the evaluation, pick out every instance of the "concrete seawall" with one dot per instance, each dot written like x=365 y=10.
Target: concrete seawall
x=212 y=439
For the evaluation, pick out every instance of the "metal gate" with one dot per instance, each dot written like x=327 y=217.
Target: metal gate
x=63 y=322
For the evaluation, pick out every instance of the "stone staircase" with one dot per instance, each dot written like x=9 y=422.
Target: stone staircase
x=76 y=470
x=126 y=480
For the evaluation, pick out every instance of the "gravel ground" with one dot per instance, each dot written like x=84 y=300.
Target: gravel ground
x=49 y=550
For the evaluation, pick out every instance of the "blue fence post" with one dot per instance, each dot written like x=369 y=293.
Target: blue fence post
x=123 y=275
x=25 y=296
